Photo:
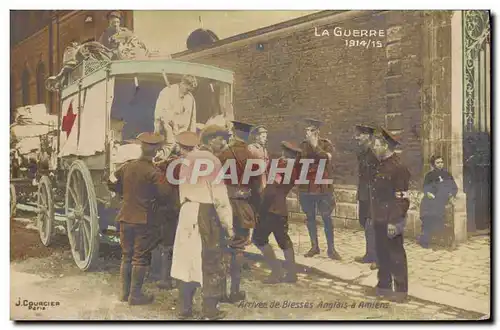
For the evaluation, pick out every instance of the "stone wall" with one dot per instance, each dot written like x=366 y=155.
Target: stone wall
x=345 y=214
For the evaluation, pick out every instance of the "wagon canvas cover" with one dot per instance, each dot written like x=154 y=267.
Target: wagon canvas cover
x=32 y=122
x=83 y=131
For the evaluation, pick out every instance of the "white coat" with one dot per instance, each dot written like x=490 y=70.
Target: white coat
x=187 y=254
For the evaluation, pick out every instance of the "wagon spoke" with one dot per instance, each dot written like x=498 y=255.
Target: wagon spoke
x=82 y=188
x=73 y=195
x=80 y=247
x=76 y=189
x=85 y=205
x=84 y=238
x=87 y=230
x=73 y=227
x=42 y=222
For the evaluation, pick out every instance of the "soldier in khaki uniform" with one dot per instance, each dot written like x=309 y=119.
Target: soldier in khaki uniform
x=140 y=184
x=390 y=206
x=274 y=218
x=243 y=197
x=318 y=197
x=258 y=150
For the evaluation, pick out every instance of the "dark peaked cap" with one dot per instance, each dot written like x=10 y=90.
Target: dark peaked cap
x=391 y=139
x=259 y=129
x=242 y=127
x=313 y=122
x=213 y=131
x=187 y=139
x=365 y=129
x=150 y=138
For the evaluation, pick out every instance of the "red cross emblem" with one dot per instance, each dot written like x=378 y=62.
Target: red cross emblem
x=68 y=120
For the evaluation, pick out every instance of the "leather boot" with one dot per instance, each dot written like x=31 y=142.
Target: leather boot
x=398 y=297
x=137 y=297
x=333 y=254
x=270 y=257
x=235 y=271
x=185 y=300
x=224 y=297
x=210 y=310
x=154 y=270
x=166 y=281
x=378 y=292
x=125 y=278
x=291 y=273
x=313 y=251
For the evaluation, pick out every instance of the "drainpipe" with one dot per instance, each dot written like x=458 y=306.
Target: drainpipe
x=51 y=57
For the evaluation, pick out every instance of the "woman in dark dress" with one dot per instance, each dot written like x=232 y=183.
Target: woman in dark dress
x=439 y=187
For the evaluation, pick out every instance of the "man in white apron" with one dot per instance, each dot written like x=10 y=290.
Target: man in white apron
x=205 y=209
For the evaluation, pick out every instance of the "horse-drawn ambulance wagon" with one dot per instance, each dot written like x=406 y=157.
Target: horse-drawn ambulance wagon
x=102 y=103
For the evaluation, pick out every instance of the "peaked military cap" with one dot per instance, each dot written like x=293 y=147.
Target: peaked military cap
x=114 y=13
x=364 y=129
x=259 y=129
x=214 y=130
x=313 y=122
x=150 y=138
x=187 y=139
x=392 y=140
x=243 y=127
x=290 y=147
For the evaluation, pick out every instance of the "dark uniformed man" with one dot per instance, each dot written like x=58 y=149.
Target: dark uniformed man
x=242 y=202
x=186 y=142
x=274 y=218
x=140 y=184
x=314 y=196
x=390 y=205
x=367 y=164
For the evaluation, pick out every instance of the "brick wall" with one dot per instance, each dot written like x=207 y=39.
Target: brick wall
x=298 y=74
x=29 y=52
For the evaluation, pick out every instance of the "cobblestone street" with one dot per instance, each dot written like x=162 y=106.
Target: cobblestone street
x=93 y=295
x=461 y=276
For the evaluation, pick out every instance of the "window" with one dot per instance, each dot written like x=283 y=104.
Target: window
x=25 y=87
x=40 y=83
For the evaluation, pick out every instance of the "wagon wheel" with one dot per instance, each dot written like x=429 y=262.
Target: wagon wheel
x=13 y=201
x=81 y=216
x=45 y=210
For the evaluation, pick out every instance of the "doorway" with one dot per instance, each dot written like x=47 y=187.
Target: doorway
x=476 y=119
